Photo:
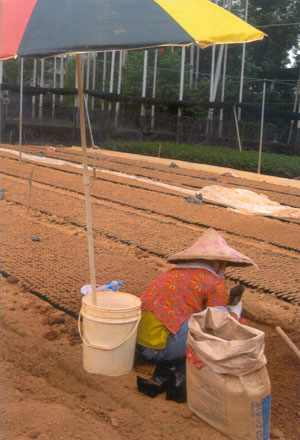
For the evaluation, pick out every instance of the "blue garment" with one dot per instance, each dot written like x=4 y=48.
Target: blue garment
x=174 y=350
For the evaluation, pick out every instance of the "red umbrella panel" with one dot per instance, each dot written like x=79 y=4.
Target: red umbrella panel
x=43 y=28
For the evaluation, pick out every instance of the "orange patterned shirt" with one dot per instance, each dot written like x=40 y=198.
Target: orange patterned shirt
x=180 y=292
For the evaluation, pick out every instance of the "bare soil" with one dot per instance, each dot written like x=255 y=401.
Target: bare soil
x=45 y=392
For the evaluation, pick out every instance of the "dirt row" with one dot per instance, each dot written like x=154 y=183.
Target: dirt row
x=171 y=173
x=173 y=226
x=45 y=262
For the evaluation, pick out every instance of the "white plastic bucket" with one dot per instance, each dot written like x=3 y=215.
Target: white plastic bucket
x=109 y=332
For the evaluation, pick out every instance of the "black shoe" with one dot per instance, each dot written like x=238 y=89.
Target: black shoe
x=149 y=387
x=177 y=392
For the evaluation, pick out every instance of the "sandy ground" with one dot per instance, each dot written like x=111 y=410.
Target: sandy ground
x=45 y=392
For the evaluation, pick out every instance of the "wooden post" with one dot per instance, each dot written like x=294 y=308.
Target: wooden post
x=21 y=110
x=143 y=107
x=237 y=128
x=261 y=127
x=154 y=88
x=41 y=102
x=181 y=87
x=286 y=339
x=34 y=84
x=94 y=78
x=294 y=110
x=54 y=85
x=243 y=66
x=112 y=74
x=30 y=187
x=88 y=120
x=86 y=182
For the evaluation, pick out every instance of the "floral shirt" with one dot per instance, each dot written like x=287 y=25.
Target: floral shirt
x=180 y=292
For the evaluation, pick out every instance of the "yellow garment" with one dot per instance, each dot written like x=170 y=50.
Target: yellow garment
x=199 y=17
x=151 y=332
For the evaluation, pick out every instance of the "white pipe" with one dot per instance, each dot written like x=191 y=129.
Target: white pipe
x=154 y=87
x=243 y=66
x=119 y=84
x=54 y=82
x=94 y=79
x=237 y=128
x=86 y=182
x=42 y=81
x=104 y=76
x=88 y=119
x=212 y=72
x=87 y=83
x=34 y=84
x=224 y=78
x=197 y=62
x=21 y=109
x=181 y=79
x=218 y=72
x=61 y=82
x=112 y=72
x=192 y=64
x=1 y=72
x=262 y=126
x=143 y=109
x=41 y=100
x=223 y=90
x=294 y=110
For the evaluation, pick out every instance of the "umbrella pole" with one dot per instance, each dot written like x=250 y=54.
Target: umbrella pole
x=86 y=181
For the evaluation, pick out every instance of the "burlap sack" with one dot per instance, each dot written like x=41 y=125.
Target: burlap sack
x=232 y=391
x=225 y=345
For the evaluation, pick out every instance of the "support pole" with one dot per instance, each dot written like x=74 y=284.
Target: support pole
x=41 y=103
x=54 y=86
x=112 y=73
x=192 y=48
x=87 y=80
x=143 y=109
x=104 y=76
x=179 y=115
x=224 y=78
x=154 y=88
x=237 y=128
x=86 y=182
x=61 y=80
x=288 y=341
x=294 y=110
x=94 y=79
x=243 y=66
x=119 y=86
x=262 y=126
x=21 y=110
x=34 y=84
x=1 y=102
x=30 y=188
x=197 y=63
x=88 y=119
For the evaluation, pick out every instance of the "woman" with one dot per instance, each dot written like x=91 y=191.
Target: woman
x=192 y=285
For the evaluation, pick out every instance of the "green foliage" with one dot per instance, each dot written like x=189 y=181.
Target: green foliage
x=271 y=164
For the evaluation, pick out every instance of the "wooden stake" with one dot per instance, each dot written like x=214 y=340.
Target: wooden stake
x=94 y=168
x=86 y=182
x=21 y=110
x=30 y=187
x=288 y=341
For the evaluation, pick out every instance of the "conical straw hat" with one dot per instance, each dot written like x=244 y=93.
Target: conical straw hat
x=211 y=246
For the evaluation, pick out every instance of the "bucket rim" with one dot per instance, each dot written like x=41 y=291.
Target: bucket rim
x=96 y=307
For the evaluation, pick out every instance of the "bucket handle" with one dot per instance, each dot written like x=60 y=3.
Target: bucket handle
x=102 y=346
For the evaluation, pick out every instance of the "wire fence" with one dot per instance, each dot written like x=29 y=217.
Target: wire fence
x=119 y=117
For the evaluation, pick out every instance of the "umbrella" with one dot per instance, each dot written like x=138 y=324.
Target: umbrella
x=43 y=28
